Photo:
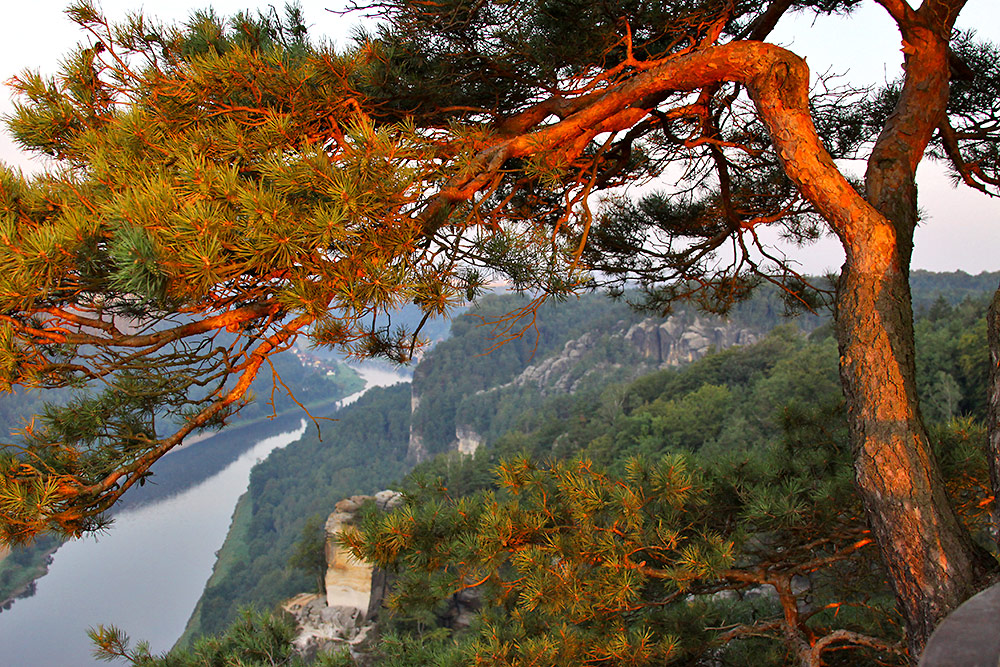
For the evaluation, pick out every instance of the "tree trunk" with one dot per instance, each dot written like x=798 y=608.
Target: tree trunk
x=933 y=563
x=993 y=412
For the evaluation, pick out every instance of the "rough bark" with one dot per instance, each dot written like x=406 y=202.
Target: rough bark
x=993 y=411
x=934 y=565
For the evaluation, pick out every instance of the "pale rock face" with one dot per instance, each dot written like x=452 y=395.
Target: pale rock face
x=322 y=627
x=348 y=580
x=354 y=589
x=387 y=500
x=676 y=341
x=554 y=374
x=468 y=441
x=416 y=450
x=645 y=337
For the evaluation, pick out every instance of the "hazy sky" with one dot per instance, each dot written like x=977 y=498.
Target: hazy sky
x=961 y=227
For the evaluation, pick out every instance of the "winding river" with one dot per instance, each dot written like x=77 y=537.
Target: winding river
x=145 y=574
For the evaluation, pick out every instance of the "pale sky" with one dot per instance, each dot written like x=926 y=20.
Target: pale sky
x=961 y=227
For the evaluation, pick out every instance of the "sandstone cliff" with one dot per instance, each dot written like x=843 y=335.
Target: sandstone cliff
x=624 y=348
x=345 y=616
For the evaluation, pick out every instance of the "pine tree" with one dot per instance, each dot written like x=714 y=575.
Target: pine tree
x=576 y=566
x=229 y=174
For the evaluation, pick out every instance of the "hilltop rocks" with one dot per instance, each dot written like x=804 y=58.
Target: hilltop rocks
x=323 y=628
x=622 y=349
x=416 y=450
x=348 y=580
x=554 y=375
x=672 y=343
x=660 y=344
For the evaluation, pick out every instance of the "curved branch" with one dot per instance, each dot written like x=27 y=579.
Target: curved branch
x=159 y=338
x=778 y=82
x=967 y=172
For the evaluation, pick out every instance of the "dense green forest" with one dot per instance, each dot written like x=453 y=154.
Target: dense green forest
x=248 y=177
x=702 y=486
x=733 y=464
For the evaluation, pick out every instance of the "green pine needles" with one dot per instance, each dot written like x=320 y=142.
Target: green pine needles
x=671 y=560
x=219 y=192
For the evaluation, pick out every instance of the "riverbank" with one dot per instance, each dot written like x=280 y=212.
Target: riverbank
x=180 y=470
x=362 y=451
x=233 y=551
x=161 y=554
x=184 y=467
x=19 y=572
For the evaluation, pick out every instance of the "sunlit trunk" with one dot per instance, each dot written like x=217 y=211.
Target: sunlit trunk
x=933 y=563
x=993 y=411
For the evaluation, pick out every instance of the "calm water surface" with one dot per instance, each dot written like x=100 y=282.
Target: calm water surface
x=144 y=575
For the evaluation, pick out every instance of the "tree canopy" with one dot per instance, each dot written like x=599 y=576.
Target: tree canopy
x=231 y=175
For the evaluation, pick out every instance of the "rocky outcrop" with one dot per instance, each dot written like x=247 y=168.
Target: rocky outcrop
x=675 y=341
x=622 y=349
x=467 y=440
x=416 y=450
x=323 y=628
x=555 y=375
x=345 y=615
x=348 y=580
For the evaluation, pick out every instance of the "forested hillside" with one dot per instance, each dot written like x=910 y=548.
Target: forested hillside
x=479 y=378
x=734 y=471
x=702 y=514
x=237 y=174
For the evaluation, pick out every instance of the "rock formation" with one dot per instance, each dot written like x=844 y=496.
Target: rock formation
x=345 y=616
x=555 y=374
x=642 y=347
x=416 y=450
x=676 y=341
x=467 y=440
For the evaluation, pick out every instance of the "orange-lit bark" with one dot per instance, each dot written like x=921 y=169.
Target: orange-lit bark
x=993 y=411
x=933 y=563
x=932 y=560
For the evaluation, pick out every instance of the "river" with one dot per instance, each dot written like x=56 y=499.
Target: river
x=145 y=574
